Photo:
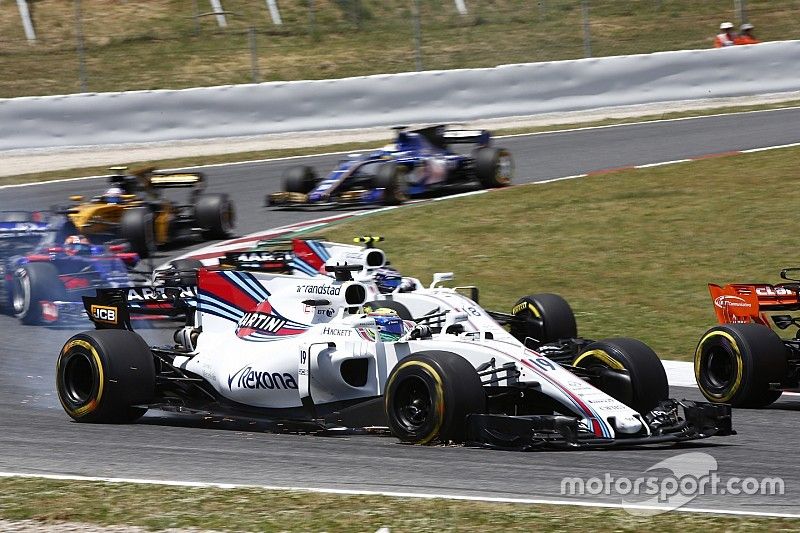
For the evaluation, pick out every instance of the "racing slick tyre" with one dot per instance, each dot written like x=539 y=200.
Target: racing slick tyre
x=494 y=167
x=300 y=179
x=215 y=215
x=735 y=364
x=378 y=306
x=429 y=395
x=391 y=178
x=544 y=317
x=136 y=227
x=101 y=375
x=31 y=284
x=629 y=371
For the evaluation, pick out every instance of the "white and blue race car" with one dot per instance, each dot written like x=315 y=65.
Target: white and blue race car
x=334 y=351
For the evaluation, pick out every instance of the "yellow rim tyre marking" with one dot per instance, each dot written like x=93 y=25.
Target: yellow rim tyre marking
x=601 y=356
x=739 y=364
x=94 y=402
x=439 y=392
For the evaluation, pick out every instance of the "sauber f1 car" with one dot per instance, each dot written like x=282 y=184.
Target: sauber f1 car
x=135 y=209
x=418 y=162
x=743 y=361
x=307 y=350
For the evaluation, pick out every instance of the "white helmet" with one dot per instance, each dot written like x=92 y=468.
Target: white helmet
x=746 y=26
x=726 y=26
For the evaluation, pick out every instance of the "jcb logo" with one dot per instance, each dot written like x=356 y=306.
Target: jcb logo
x=104 y=314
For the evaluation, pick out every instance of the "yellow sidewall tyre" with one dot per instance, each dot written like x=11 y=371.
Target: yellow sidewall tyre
x=736 y=363
x=429 y=395
x=101 y=375
x=648 y=379
x=544 y=317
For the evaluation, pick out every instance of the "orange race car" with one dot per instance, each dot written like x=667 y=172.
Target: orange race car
x=743 y=361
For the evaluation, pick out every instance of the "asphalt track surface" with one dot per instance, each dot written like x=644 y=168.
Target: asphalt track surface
x=36 y=436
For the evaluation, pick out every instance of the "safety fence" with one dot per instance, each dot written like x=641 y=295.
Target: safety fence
x=94 y=45
x=408 y=98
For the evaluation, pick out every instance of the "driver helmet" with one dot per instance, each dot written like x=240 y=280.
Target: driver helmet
x=390 y=326
x=113 y=195
x=387 y=280
x=77 y=244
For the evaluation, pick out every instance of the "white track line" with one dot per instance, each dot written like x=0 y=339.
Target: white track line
x=391 y=494
x=540 y=133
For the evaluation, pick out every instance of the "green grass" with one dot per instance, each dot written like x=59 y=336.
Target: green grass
x=156 y=44
x=179 y=162
x=158 y=507
x=632 y=250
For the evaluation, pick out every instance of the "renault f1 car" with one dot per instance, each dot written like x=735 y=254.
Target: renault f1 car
x=45 y=273
x=135 y=209
x=308 y=350
x=744 y=361
x=418 y=162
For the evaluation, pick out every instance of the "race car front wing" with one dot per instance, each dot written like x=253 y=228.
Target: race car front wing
x=672 y=421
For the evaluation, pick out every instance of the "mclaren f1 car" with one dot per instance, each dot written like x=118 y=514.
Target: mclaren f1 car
x=311 y=350
x=134 y=208
x=744 y=361
x=419 y=162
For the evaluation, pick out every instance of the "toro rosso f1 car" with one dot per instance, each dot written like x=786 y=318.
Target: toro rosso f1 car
x=307 y=350
x=743 y=361
x=45 y=273
x=418 y=162
x=134 y=208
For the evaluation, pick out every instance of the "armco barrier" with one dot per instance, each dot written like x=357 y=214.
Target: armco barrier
x=419 y=97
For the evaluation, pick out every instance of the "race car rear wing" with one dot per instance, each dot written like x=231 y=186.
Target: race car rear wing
x=279 y=261
x=176 y=180
x=481 y=137
x=739 y=303
x=115 y=308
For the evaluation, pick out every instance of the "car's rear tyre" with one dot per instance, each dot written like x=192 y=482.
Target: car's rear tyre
x=544 y=317
x=102 y=375
x=300 y=179
x=391 y=178
x=31 y=284
x=429 y=395
x=494 y=167
x=377 y=306
x=136 y=227
x=735 y=364
x=215 y=215
x=630 y=371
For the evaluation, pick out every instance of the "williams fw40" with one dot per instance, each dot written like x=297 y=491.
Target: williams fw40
x=419 y=162
x=744 y=361
x=308 y=350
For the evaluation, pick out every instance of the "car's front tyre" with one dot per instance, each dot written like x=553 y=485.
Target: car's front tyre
x=429 y=395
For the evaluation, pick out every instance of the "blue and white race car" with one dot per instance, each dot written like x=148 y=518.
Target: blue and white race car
x=46 y=270
x=419 y=162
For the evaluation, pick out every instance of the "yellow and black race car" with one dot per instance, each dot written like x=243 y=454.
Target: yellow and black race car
x=134 y=208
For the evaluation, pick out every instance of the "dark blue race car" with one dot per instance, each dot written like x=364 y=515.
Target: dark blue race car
x=46 y=270
x=419 y=162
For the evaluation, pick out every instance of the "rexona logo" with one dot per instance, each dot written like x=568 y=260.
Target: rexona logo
x=104 y=313
x=247 y=378
x=730 y=301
